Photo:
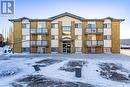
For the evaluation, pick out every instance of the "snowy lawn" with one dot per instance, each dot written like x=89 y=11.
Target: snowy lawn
x=58 y=70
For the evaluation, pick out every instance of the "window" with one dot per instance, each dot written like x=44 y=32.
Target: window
x=78 y=37
x=41 y=30
x=107 y=37
x=54 y=37
x=107 y=25
x=54 y=49
x=66 y=28
x=78 y=49
x=91 y=26
x=54 y=25
x=91 y=37
x=107 y=49
x=78 y=25
x=39 y=37
x=44 y=38
x=26 y=37
x=25 y=49
x=41 y=25
x=25 y=25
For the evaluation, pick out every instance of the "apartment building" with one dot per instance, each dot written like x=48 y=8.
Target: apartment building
x=1 y=40
x=66 y=33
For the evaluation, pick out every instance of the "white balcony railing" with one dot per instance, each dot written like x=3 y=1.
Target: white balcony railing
x=39 y=31
x=94 y=43
x=39 y=43
x=90 y=31
x=94 y=31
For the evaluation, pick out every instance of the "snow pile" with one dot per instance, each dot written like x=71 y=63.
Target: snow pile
x=71 y=65
x=125 y=51
x=8 y=71
x=5 y=50
x=114 y=72
x=89 y=74
x=42 y=81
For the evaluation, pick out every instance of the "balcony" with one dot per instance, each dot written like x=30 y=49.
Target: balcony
x=94 y=43
x=39 y=43
x=93 y=31
x=39 y=31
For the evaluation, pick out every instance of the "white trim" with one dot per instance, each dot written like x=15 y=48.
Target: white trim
x=107 y=21
x=107 y=43
x=25 y=43
x=78 y=31
x=54 y=31
x=54 y=43
x=107 y=32
x=78 y=43
x=25 y=21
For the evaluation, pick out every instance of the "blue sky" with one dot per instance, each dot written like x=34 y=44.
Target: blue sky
x=84 y=8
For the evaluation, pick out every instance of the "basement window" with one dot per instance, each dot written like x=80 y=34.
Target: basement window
x=25 y=49
x=107 y=49
x=78 y=25
x=54 y=49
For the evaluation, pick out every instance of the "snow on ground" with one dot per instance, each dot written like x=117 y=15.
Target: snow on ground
x=125 y=51
x=21 y=66
x=89 y=74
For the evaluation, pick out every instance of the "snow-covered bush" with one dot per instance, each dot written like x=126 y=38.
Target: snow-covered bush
x=5 y=50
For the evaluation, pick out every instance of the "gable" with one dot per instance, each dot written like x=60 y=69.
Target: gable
x=66 y=20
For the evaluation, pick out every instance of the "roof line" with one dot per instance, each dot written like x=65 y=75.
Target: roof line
x=66 y=14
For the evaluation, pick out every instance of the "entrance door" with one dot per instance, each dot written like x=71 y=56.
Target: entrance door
x=66 y=47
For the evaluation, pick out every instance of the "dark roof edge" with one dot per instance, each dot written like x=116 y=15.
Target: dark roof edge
x=20 y=19
x=66 y=14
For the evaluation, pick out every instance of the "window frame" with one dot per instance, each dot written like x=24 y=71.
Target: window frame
x=107 y=37
x=91 y=26
x=54 y=49
x=78 y=25
x=25 y=37
x=25 y=49
x=107 y=25
x=107 y=49
x=41 y=25
x=24 y=26
x=54 y=37
x=66 y=28
x=53 y=25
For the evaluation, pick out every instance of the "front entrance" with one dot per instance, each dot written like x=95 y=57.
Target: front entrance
x=66 y=47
